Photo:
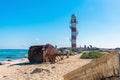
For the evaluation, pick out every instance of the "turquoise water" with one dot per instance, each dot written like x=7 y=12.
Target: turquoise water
x=12 y=54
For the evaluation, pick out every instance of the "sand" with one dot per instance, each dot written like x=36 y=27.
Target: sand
x=44 y=71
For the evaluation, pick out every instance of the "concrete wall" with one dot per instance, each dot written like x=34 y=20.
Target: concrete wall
x=105 y=68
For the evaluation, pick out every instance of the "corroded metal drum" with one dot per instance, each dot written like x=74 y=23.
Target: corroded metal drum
x=35 y=54
x=42 y=53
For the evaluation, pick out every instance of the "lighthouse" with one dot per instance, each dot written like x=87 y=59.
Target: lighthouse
x=74 y=32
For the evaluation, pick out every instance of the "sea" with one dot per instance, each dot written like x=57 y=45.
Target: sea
x=13 y=54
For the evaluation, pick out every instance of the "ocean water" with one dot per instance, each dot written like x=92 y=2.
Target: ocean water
x=12 y=54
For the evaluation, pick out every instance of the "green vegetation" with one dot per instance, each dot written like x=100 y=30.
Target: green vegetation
x=74 y=50
x=92 y=54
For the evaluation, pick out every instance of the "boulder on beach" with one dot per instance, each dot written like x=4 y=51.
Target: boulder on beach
x=1 y=64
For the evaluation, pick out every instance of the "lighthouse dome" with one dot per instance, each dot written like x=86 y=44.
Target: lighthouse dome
x=73 y=16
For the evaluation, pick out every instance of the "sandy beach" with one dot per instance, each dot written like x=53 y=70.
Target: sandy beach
x=22 y=70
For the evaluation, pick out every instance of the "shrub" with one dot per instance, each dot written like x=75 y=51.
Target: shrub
x=74 y=50
x=92 y=55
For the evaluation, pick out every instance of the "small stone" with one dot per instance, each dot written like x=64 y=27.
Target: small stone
x=9 y=60
x=39 y=70
x=53 y=67
x=25 y=73
x=4 y=76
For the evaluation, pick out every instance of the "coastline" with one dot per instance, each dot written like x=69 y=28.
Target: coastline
x=13 y=62
x=44 y=71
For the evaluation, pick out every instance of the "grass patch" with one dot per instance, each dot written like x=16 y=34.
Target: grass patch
x=92 y=55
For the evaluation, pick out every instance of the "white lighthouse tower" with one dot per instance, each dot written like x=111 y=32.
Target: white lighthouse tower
x=74 y=32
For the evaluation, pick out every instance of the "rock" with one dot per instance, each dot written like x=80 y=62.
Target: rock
x=9 y=60
x=53 y=67
x=25 y=73
x=39 y=70
x=1 y=64
x=4 y=76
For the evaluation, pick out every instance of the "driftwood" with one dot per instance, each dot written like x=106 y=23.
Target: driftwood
x=105 y=68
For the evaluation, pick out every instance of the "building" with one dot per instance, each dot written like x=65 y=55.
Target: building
x=74 y=32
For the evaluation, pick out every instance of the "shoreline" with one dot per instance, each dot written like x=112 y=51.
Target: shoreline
x=16 y=61
x=43 y=71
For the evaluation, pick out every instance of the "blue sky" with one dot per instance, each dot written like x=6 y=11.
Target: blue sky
x=32 y=22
